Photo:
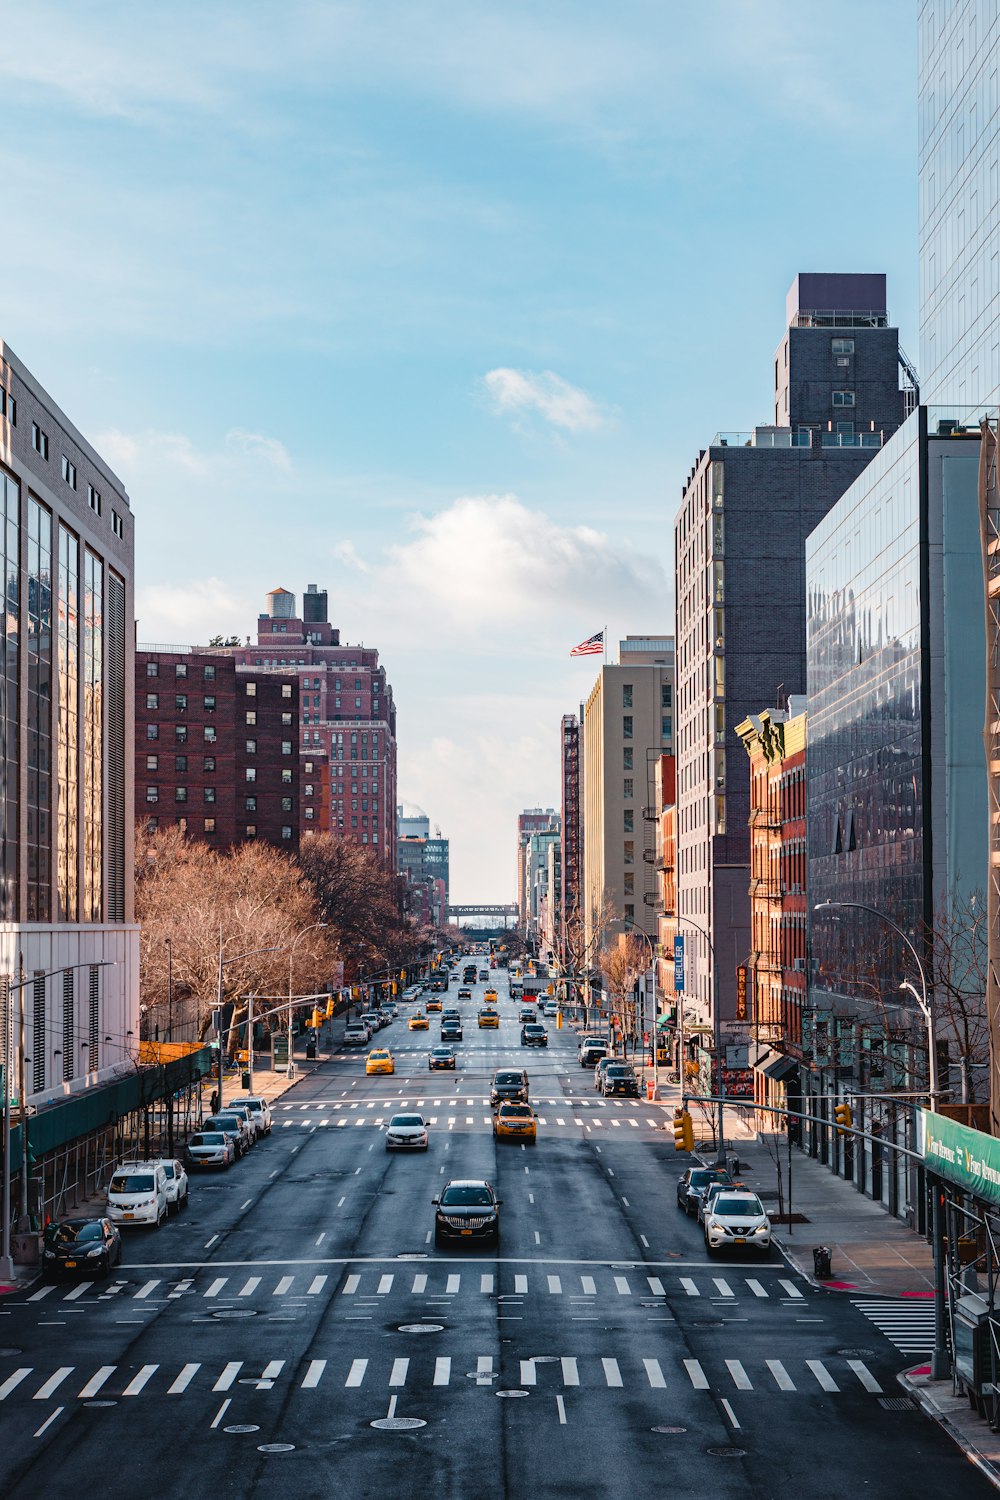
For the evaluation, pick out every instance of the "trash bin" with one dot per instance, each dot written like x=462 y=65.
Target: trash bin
x=650 y=1090
x=733 y=1163
x=311 y=1049
x=822 y=1262
x=245 y=1080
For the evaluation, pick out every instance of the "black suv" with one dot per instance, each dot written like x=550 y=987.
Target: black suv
x=468 y=1209
x=534 y=1035
x=619 y=1078
x=509 y=1083
x=693 y=1184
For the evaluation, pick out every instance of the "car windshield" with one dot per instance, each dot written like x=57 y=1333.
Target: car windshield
x=734 y=1207
x=705 y=1175
x=619 y=1070
x=508 y=1078
x=520 y=1110
x=233 y=1121
x=379 y=1056
x=399 y=1120
x=131 y=1182
x=72 y=1234
x=256 y=1105
x=170 y=1170
x=466 y=1197
x=535 y=1030
x=209 y=1138
x=441 y=1052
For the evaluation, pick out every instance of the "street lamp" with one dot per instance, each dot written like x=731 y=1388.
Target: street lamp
x=6 y=1260
x=717 y=1034
x=234 y=958
x=634 y=927
x=290 y=1074
x=170 y=989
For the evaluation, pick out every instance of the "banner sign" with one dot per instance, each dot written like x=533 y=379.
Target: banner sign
x=960 y=1154
x=741 y=993
x=679 y=964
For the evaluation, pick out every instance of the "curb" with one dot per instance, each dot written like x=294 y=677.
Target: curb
x=924 y=1398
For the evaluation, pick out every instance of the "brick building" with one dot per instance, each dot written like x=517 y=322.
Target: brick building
x=572 y=824
x=217 y=749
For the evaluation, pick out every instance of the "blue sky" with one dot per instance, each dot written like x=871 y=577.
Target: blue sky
x=433 y=304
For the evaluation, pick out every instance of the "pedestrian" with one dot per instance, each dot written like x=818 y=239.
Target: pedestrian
x=213 y=1103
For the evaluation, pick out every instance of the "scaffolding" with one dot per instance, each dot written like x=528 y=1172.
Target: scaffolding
x=989 y=519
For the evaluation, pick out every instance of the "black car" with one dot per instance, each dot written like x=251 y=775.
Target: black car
x=509 y=1083
x=693 y=1184
x=528 y=1015
x=441 y=1057
x=534 y=1035
x=468 y=1209
x=82 y=1247
x=619 y=1078
x=451 y=1031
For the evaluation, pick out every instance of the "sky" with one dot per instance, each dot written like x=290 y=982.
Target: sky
x=433 y=303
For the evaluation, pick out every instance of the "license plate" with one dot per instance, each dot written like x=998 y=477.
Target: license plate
x=70 y=1265
x=466 y=1231
x=128 y=1216
x=739 y=1240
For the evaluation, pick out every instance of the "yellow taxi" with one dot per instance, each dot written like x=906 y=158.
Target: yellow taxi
x=380 y=1061
x=491 y=997
x=418 y=1022
x=434 y=1005
x=489 y=1018
x=515 y=1120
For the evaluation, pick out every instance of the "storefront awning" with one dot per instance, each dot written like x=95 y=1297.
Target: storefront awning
x=774 y=1065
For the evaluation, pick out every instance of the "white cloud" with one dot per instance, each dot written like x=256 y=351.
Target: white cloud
x=554 y=399
x=256 y=445
x=346 y=553
x=192 y=612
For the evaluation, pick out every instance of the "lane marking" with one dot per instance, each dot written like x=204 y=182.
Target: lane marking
x=442 y=1370
x=740 y=1377
x=46 y=1390
x=222 y=1411
x=145 y=1290
x=731 y=1414
x=356 y=1373
x=612 y=1374
x=251 y=1286
x=316 y=1285
x=12 y=1381
x=216 y=1287
x=313 y=1375
x=865 y=1376
x=656 y=1286
x=136 y=1384
x=228 y=1375
x=822 y=1374
x=782 y=1378
x=183 y=1380
x=696 y=1374
x=96 y=1381
x=690 y=1287
x=561 y=1411
x=654 y=1374
x=49 y=1420
x=570 y=1372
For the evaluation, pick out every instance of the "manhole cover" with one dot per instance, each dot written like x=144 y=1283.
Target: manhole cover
x=275 y=1447
x=856 y=1353
x=710 y=1323
x=896 y=1403
x=397 y=1424
x=484 y=1375
x=242 y=1427
x=511 y=1393
x=235 y=1312
x=727 y=1452
x=668 y=1429
x=94 y=1404
x=421 y=1328
x=10 y=1353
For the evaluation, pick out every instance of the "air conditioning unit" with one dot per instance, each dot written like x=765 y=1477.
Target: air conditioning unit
x=799 y=965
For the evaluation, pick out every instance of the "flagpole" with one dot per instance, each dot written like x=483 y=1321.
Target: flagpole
x=605 y=645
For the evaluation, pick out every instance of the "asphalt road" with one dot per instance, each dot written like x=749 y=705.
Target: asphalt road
x=247 y=1348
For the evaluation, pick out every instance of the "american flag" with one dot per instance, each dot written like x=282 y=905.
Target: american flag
x=592 y=646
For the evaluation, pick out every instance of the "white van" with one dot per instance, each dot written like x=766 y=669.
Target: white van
x=137 y=1194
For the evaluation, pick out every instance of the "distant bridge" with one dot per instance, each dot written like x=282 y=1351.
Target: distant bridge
x=507 y=913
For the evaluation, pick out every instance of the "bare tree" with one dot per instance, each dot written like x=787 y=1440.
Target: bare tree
x=622 y=965
x=359 y=898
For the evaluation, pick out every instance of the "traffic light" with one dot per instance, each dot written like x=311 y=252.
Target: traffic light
x=402 y=975
x=844 y=1118
x=315 y=1020
x=559 y=1020
x=683 y=1131
x=329 y=1007
x=393 y=986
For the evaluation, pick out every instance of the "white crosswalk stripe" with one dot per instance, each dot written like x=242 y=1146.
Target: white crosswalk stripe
x=907 y=1324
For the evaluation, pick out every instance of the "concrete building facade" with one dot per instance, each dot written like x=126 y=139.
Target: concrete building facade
x=572 y=825
x=531 y=820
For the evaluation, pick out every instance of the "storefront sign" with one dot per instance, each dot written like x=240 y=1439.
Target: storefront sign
x=679 y=964
x=960 y=1154
x=741 y=993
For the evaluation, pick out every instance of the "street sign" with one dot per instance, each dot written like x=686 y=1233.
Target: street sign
x=679 y=963
x=741 y=993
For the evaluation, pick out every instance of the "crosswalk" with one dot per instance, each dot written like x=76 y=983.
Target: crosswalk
x=465 y=1109
x=599 y=1285
x=433 y=1373
x=907 y=1324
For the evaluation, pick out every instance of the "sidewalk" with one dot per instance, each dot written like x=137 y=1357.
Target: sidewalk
x=960 y=1420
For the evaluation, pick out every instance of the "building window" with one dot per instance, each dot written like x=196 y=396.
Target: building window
x=628 y=820
x=180 y=763
x=629 y=879
x=69 y=472
x=209 y=703
x=251 y=773
x=209 y=674
x=629 y=851
x=628 y=787
x=152 y=794
x=308 y=789
x=152 y=700
x=152 y=824
x=209 y=825
x=152 y=731
x=626 y=726
x=39 y=440
x=94 y=498
x=251 y=830
x=181 y=733
x=286 y=689
x=251 y=688
x=629 y=912
x=8 y=409
x=310 y=814
x=286 y=830
x=152 y=669
x=626 y=695
x=286 y=804
x=180 y=669
x=251 y=804
x=251 y=747
x=208 y=794
x=843 y=398
x=286 y=778
x=209 y=763
x=251 y=716
x=627 y=760
x=308 y=767
x=152 y=762
x=117 y=524
x=181 y=702
x=842 y=346
x=209 y=734
x=286 y=747
x=667 y=726
x=180 y=794
x=666 y=696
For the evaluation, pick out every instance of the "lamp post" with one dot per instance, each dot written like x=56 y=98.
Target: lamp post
x=170 y=990
x=291 y=954
x=634 y=927
x=716 y=1030
x=6 y=1260
x=940 y=1363
x=234 y=958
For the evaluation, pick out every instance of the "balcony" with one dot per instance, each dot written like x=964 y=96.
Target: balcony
x=765 y=888
x=764 y=817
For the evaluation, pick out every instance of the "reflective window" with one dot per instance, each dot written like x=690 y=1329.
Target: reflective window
x=39 y=726
x=68 y=803
x=93 y=737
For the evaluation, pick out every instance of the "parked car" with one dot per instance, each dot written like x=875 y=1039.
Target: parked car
x=209 y=1148
x=406 y=1133
x=619 y=1078
x=467 y=1210
x=534 y=1035
x=592 y=1048
x=509 y=1083
x=356 y=1036
x=712 y=1192
x=441 y=1057
x=241 y=1107
x=372 y=1020
x=737 y=1219
x=261 y=1111
x=601 y=1067
x=232 y=1126
x=137 y=1194
x=693 y=1184
x=515 y=1121
x=177 y=1182
x=80 y=1246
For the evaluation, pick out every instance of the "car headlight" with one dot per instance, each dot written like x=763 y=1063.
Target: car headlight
x=761 y=1229
x=93 y=1254
x=50 y=1255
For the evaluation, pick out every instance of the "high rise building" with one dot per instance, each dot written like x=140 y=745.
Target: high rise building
x=531 y=820
x=66 y=827
x=628 y=724
x=749 y=503
x=217 y=750
x=347 y=719
x=571 y=877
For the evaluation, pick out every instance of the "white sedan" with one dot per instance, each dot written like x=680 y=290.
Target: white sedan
x=406 y=1133
x=737 y=1218
x=177 y=1183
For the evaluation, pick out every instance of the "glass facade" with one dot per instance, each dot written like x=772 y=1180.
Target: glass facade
x=10 y=530
x=959 y=152
x=93 y=738
x=38 y=664
x=68 y=804
x=865 y=761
